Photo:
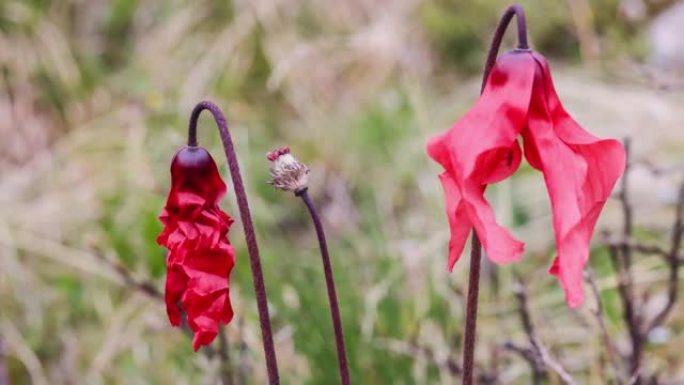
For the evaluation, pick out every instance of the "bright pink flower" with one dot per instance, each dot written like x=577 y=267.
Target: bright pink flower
x=482 y=148
x=200 y=256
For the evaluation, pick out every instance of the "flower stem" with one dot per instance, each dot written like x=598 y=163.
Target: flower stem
x=471 y=310
x=475 y=246
x=330 y=283
x=250 y=237
x=513 y=10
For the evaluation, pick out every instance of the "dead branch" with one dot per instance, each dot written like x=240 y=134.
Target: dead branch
x=637 y=246
x=536 y=346
x=605 y=336
x=673 y=264
x=146 y=287
x=621 y=258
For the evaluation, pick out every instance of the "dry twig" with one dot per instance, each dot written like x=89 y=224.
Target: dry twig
x=621 y=256
x=536 y=354
x=146 y=287
x=605 y=336
x=149 y=288
x=673 y=264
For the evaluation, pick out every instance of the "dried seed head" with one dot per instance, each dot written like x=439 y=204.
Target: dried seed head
x=287 y=173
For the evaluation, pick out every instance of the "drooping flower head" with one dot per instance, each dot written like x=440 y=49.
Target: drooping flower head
x=580 y=170
x=200 y=256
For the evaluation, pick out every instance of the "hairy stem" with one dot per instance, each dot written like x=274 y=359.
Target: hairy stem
x=330 y=283
x=250 y=237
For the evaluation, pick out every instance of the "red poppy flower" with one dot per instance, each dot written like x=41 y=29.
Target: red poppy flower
x=200 y=256
x=482 y=148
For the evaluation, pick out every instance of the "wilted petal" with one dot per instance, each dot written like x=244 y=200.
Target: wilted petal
x=458 y=219
x=176 y=282
x=580 y=171
x=200 y=256
x=481 y=149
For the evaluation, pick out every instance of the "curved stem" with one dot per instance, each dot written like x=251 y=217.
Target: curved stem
x=475 y=246
x=250 y=238
x=514 y=10
x=330 y=283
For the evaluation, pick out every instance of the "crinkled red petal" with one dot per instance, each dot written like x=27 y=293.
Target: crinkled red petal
x=200 y=257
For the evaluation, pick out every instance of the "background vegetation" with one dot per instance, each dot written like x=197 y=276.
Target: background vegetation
x=95 y=99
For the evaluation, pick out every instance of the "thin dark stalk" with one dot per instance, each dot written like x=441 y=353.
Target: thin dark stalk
x=514 y=10
x=541 y=353
x=673 y=264
x=471 y=310
x=529 y=355
x=536 y=363
x=475 y=248
x=250 y=237
x=622 y=259
x=600 y=318
x=330 y=283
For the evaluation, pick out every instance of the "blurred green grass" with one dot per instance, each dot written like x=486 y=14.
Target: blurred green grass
x=99 y=94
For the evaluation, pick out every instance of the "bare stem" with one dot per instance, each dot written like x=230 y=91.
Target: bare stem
x=600 y=318
x=622 y=261
x=250 y=237
x=673 y=264
x=144 y=286
x=330 y=283
x=541 y=353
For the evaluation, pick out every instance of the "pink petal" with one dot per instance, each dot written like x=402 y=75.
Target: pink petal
x=480 y=149
x=580 y=171
x=458 y=219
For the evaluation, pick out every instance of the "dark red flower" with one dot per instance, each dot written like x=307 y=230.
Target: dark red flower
x=200 y=256
x=482 y=148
